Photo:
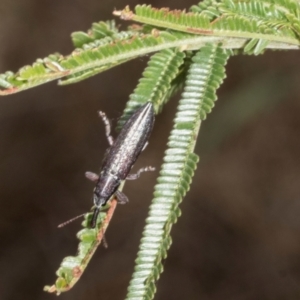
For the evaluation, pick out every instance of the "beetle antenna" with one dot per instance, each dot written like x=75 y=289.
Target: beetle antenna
x=70 y=221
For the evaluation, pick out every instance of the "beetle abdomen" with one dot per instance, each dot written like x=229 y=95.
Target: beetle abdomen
x=130 y=142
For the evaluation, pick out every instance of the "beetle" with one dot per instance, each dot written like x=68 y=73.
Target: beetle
x=121 y=156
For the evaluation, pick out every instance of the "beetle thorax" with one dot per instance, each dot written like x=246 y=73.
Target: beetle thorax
x=105 y=188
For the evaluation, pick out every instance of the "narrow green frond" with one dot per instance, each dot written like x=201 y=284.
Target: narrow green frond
x=84 y=62
x=91 y=59
x=42 y=71
x=177 y=83
x=215 y=24
x=107 y=40
x=155 y=83
x=266 y=15
x=204 y=77
x=207 y=7
x=234 y=24
x=273 y=13
x=286 y=6
x=165 y=18
x=72 y=267
x=88 y=73
x=98 y=31
x=255 y=46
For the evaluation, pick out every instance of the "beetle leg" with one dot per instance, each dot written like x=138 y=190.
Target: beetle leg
x=104 y=241
x=138 y=173
x=122 y=198
x=145 y=146
x=92 y=176
x=107 y=127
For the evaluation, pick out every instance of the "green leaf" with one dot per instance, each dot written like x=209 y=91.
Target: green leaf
x=88 y=61
x=256 y=25
x=204 y=76
x=226 y=19
x=72 y=267
x=98 y=31
x=163 y=67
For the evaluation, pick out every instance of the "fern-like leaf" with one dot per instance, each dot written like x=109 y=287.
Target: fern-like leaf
x=96 y=57
x=97 y=32
x=208 y=8
x=162 y=68
x=265 y=14
x=72 y=267
x=234 y=24
x=218 y=23
x=204 y=77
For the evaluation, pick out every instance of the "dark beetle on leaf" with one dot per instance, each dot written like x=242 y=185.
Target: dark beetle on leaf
x=121 y=156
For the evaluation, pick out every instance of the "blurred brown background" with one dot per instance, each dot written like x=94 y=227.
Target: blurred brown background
x=238 y=237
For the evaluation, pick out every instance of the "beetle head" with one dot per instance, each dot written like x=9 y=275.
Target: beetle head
x=98 y=202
